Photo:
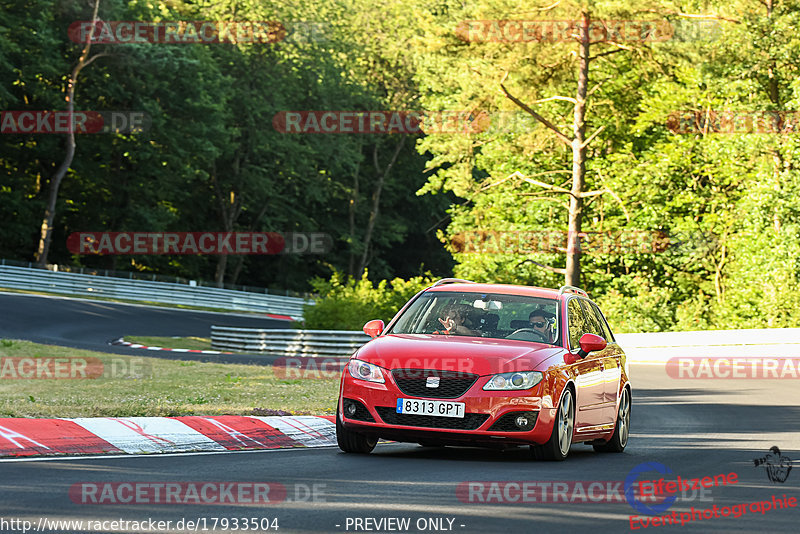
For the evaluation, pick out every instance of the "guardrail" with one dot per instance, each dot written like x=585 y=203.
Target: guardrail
x=658 y=347
x=655 y=347
x=319 y=343
x=13 y=277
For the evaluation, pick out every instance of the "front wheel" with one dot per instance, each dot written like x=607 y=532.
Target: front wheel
x=557 y=447
x=619 y=440
x=353 y=442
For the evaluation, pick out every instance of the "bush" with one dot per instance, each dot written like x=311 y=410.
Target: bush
x=348 y=303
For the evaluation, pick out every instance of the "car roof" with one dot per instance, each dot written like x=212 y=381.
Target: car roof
x=508 y=289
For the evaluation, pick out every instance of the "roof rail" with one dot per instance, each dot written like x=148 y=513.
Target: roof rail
x=572 y=289
x=451 y=281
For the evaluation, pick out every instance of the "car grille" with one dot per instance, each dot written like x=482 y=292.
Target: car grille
x=506 y=423
x=470 y=421
x=452 y=384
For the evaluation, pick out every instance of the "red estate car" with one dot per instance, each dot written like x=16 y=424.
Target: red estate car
x=488 y=365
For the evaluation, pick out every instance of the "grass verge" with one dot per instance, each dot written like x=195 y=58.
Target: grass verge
x=158 y=387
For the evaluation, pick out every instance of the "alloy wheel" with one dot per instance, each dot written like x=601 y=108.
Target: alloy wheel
x=624 y=417
x=565 y=423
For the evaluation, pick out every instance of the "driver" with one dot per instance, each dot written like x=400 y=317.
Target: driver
x=542 y=323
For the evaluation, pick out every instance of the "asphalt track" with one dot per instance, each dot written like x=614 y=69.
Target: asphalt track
x=91 y=324
x=696 y=428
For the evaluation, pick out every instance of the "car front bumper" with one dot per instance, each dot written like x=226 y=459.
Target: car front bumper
x=489 y=418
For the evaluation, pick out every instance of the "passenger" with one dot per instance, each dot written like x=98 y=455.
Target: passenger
x=452 y=319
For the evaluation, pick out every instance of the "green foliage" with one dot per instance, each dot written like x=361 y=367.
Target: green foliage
x=212 y=160
x=727 y=201
x=346 y=303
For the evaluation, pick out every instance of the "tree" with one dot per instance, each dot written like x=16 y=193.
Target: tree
x=578 y=144
x=55 y=182
x=542 y=70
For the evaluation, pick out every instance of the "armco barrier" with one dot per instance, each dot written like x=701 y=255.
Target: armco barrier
x=321 y=343
x=150 y=291
x=640 y=348
x=658 y=347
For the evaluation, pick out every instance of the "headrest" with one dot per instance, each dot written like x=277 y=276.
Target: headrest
x=490 y=320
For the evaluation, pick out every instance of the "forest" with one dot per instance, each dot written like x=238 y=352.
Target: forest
x=642 y=150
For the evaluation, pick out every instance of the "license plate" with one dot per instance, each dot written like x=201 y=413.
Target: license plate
x=426 y=407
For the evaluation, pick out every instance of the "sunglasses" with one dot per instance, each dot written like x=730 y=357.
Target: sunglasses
x=539 y=324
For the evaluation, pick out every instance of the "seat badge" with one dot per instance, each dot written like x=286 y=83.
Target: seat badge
x=432 y=382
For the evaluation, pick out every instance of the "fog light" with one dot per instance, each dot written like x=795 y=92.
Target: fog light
x=350 y=408
x=521 y=421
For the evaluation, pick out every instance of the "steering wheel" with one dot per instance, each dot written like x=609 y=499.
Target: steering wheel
x=527 y=330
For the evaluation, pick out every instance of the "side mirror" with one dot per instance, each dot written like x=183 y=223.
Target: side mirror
x=373 y=328
x=590 y=343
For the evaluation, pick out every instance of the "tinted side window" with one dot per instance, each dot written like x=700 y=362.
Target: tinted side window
x=609 y=336
x=594 y=325
x=577 y=322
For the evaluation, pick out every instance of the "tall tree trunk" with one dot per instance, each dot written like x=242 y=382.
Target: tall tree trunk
x=572 y=277
x=376 y=199
x=46 y=231
x=229 y=208
x=577 y=143
x=352 y=209
x=219 y=274
x=234 y=277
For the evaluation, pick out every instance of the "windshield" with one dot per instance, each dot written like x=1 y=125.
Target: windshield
x=493 y=315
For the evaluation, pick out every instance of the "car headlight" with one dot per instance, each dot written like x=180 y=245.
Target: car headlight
x=365 y=371
x=515 y=380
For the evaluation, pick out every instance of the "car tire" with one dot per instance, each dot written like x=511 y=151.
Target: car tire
x=353 y=442
x=622 y=427
x=557 y=447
